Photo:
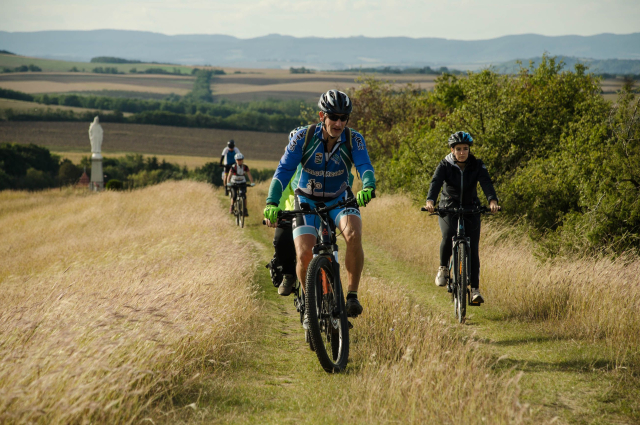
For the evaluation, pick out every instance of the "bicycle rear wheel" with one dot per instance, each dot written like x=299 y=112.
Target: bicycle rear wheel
x=462 y=279
x=328 y=325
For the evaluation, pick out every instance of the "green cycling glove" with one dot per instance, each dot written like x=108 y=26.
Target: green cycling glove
x=271 y=213
x=364 y=197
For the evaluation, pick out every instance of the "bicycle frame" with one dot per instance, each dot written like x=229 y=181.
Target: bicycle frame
x=459 y=238
x=326 y=242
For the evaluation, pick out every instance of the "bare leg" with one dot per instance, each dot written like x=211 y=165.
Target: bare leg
x=351 y=228
x=304 y=245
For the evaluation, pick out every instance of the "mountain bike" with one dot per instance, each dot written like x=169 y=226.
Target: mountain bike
x=328 y=333
x=458 y=281
x=240 y=199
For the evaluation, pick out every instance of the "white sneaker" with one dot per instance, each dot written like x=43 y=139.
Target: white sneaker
x=475 y=296
x=442 y=276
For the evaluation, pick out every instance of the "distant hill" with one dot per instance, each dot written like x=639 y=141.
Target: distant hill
x=277 y=51
x=596 y=66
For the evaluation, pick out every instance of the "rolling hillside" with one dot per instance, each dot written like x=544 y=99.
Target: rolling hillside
x=285 y=51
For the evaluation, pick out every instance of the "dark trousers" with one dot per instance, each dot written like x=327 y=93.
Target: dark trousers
x=449 y=227
x=285 y=248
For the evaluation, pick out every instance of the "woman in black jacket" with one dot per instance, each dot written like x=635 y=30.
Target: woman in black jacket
x=460 y=172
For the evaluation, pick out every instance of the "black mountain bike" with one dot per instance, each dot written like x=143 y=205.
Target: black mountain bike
x=458 y=281
x=328 y=333
x=240 y=204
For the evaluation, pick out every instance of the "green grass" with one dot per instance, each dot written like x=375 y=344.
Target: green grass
x=51 y=65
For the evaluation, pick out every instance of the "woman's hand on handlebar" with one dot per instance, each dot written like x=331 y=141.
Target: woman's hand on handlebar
x=429 y=206
x=493 y=205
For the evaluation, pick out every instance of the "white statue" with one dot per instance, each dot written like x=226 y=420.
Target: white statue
x=95 y=135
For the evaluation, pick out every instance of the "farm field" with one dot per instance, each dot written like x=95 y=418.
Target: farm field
x=45 y=82
x=145 y=139
x=52 y=65
x=22 y=106
x=237 y=85
x=190 y=162
x=247 y=86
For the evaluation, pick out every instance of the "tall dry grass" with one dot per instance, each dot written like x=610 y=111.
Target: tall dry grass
x=407 y=365
x=593 y=298
x=414 y=368
x=114 y=304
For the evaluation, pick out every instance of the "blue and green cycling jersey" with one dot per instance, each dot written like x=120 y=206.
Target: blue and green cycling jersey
x=317 y=174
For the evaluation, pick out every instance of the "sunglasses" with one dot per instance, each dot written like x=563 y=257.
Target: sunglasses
x=336 y=117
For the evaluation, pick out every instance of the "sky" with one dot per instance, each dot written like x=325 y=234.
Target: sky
x=452 y=19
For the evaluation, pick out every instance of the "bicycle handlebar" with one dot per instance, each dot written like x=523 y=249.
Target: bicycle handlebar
x=238 y=184
x=349 y=202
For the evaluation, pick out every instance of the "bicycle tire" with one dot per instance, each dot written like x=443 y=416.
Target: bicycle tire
x=329 y=334
x=462 y=282
x=235 y=212
x=241 y=211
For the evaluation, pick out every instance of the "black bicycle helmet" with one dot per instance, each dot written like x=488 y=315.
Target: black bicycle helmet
x=460 y=137
x=335 y=102
x=231 y=144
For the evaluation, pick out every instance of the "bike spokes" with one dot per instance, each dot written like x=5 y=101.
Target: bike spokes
x=328 y=326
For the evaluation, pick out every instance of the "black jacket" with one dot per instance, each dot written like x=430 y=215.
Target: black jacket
x=460 y=184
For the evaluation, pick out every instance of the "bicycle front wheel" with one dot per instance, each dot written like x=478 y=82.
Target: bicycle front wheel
x=241 y=211
x=328 y=325
x=462 y=280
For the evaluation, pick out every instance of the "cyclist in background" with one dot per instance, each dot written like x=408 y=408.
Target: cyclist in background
x=235 y=176
x=228 y=159
x=319 y=159
x=460 y=172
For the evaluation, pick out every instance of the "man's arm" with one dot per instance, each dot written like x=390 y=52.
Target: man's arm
x=287 y=166
x=224 y=152
x=362 y=161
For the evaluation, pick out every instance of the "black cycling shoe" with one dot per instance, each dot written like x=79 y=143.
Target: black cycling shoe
x=354 y=308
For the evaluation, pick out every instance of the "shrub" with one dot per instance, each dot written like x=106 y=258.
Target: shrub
x=69 y=173
x=114 y=184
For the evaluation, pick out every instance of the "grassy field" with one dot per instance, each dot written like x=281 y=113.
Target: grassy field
x=115 y=306
x=145 y=139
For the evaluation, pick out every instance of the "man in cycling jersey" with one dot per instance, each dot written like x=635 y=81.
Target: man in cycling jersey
x=460 y=172
x=228 y=159
x=319 y=159
x=236 y=175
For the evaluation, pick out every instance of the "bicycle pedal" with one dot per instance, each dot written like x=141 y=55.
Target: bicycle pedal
x=475 y=304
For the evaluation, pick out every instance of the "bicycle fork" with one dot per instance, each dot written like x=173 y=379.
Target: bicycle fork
x=329 y=247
